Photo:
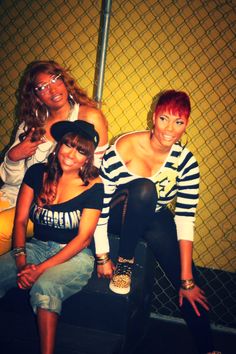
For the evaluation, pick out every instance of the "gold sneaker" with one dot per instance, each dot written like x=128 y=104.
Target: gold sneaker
x=121 y=279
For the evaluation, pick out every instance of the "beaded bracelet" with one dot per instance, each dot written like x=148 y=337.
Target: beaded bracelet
x=18 y=251
x=19 y=254
x=187 y=284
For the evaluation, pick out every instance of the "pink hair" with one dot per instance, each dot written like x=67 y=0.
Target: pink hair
x=175 y=102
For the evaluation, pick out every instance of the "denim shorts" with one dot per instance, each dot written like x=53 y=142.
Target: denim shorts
x=57 y=283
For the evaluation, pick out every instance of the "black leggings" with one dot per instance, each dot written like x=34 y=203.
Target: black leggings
x=132 y=216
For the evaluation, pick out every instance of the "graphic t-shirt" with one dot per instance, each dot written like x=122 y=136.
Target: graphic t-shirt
x=59 y=222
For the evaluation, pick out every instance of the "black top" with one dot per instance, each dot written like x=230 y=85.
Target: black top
x=59 y=222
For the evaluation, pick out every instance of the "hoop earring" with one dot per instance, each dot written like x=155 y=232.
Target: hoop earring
x=36 y=112
x=47 y=112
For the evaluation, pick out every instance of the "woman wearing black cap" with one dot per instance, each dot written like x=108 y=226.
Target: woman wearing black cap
x=59 y=197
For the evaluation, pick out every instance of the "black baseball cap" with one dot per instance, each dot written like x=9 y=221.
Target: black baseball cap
x=85 y=129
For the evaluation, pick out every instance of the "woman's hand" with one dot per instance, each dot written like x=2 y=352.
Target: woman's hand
x=105 y=270
x=28 y=275
x=193 y=296
x=26 y=148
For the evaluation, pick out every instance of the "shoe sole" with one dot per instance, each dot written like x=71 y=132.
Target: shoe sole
x=121 y=291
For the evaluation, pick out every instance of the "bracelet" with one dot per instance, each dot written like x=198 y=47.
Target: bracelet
x=103 y=262
x=18 y=251
x=19 y=254
x=102 y=259
x=103 y=256
x=187 y=284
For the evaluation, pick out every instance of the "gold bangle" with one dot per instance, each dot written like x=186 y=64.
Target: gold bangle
x=102 y=257
x=17 y=251
x=103 y=262
x=187 y=284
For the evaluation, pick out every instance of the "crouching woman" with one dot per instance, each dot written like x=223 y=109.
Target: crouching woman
x=63 y=198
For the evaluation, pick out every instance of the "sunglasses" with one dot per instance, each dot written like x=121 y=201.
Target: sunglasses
x=56 y=80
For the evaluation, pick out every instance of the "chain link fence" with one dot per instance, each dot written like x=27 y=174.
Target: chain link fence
x=153 y=46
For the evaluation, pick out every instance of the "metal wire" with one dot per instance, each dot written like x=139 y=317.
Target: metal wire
x=153 y=45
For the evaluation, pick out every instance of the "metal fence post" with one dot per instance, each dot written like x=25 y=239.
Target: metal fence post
x=102 y=48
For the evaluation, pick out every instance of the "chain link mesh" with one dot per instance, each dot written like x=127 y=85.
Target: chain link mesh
x=153 y=46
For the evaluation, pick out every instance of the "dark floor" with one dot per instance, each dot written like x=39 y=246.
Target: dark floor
x=162 y=338
x=173 y=338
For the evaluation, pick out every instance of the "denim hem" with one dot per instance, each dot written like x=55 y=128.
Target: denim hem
x=50 y=303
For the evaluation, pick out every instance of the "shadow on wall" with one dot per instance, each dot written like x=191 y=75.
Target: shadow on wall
x=149 y=116
x=16 y=123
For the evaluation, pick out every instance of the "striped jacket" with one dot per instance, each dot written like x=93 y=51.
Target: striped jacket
x=177 y=180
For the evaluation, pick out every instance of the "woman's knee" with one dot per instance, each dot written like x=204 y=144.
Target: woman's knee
x=143 y=190
x=6 y=227
x=67 y=278
x=6 y=222
x=6 y=203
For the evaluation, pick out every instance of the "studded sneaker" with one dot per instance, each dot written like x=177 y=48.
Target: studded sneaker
x=121 y=280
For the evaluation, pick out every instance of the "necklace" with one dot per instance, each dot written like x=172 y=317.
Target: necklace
x=44 y=149
x=42 y=152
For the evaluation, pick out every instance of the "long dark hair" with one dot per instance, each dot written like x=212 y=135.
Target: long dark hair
x=31 y=110
x=54 y=171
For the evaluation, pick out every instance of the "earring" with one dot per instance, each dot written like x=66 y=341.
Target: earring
x=47 y=112
x=152 y=130
x=186 y=140
x=44 y=117
x=71 y=99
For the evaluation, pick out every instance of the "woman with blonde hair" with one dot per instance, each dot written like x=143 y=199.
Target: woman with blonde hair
x=47 y=94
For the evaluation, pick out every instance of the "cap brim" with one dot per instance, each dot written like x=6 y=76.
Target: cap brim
x=59 y=129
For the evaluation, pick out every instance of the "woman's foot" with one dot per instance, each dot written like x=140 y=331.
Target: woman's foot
x=121 y=279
